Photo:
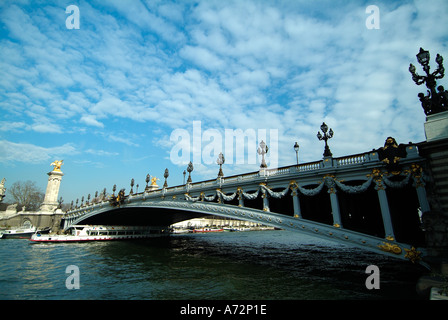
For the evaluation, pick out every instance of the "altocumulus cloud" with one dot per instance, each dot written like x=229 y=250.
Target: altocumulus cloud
x=11 y=152
x=287 y=65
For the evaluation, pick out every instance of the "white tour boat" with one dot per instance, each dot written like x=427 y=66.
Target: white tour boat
x=98 y=233
x=21 y=233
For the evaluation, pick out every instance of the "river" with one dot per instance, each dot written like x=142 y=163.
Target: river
x=254 y=265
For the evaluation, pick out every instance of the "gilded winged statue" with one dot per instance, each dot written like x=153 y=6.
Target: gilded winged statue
x=154 y=181
x=57 y=165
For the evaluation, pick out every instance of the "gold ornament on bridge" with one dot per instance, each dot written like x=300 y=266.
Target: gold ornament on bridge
x=377 y=176
x=412 y=254
x=417 y=173
x=154 y=181
x=57 y=165
x=389 y=247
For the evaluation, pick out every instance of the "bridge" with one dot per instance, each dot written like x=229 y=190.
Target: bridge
x=371 y=200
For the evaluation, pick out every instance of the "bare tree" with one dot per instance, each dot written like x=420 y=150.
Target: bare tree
x=26 y=194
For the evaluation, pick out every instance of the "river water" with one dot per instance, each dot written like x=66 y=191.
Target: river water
x=254 y=265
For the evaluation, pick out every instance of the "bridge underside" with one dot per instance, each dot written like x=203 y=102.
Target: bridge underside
x=142 y=216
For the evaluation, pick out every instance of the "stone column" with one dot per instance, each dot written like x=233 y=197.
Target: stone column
x=435 y=220
x=436 y=126
x=51 y=195
x=2 y=189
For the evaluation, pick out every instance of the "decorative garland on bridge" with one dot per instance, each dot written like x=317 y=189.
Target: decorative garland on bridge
x=328 y=180
x=354 y=189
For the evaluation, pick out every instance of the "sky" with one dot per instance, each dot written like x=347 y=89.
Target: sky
x=121 y=89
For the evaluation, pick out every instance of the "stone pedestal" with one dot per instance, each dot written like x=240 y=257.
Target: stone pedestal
x=152 y=187
x=436 y=126
x=51 y=195
x=435 y=221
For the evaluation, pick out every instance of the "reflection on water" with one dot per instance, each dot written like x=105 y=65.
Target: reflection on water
x=239 y=265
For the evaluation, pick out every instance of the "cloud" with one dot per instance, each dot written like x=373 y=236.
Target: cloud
x=11 y=152
x=7 y=126
x=46 y=128
x=128 y=139
x=91 y=121
x=202 y=57
x=101 y=152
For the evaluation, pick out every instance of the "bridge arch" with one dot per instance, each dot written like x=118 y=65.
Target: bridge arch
x=166 y=212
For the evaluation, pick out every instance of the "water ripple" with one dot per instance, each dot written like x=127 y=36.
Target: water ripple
x=245 y=265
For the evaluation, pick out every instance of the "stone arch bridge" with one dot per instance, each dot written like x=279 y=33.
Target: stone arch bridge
x=358 y=200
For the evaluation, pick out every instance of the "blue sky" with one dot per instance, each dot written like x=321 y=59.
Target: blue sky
x=106 y=97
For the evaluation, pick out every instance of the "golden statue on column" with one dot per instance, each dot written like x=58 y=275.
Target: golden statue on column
x=57 y=165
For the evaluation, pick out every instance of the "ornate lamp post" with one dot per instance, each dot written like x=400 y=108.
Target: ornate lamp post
x=433 y=102
x=147 y=181
x=189 y=169
x=325 y=137
x=184 y=173
x=166 y=175
x=262 y=150
x=220 y=161
x=296 y=149
x=132 y=186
